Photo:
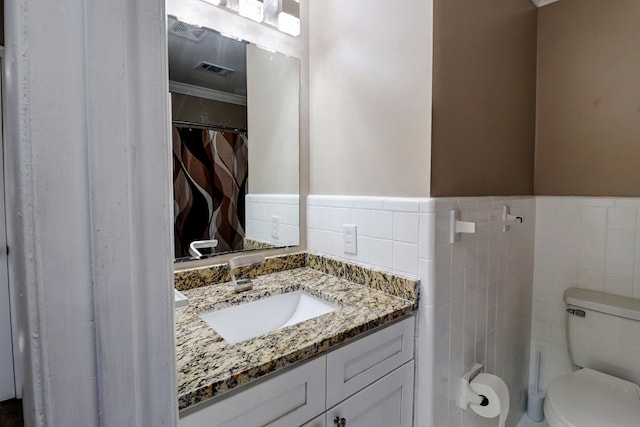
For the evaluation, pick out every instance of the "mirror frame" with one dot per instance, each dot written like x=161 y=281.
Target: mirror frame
x=203 y=14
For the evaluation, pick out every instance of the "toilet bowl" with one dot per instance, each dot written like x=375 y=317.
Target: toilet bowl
x=588 y=398
x=603 y=337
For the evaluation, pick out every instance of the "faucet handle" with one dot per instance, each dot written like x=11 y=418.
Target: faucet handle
x=201 y=244
x=243 y=261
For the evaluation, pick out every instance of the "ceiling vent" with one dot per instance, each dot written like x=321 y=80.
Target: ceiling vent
x=187 y=31
x=213 y=68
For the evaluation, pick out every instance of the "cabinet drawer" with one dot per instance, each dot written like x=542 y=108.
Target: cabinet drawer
x=288 y=399
x=356 y=365
x=387 y=402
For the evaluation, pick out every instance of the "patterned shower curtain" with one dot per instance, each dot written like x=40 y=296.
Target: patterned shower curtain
x=209 y=188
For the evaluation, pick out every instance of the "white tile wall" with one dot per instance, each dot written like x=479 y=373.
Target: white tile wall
x=591 y=243
x=389 y=230
x=260 y=208
x=481 y=304
x=394 y=235
x=475 y=303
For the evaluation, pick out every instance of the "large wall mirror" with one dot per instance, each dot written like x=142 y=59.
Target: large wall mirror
x=235 y=134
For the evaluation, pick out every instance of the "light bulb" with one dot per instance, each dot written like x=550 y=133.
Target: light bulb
x=289 y=17
x=288 y=24
x=252 y=9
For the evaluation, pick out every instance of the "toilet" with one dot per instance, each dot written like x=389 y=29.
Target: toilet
x=603 y=334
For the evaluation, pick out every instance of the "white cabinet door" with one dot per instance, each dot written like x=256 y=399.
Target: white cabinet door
x=7 y=389
x=286 y=400
x=386 y=403
x=316 y=422
x=356 y=365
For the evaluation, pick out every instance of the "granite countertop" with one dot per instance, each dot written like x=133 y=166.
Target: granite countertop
x=208 y=366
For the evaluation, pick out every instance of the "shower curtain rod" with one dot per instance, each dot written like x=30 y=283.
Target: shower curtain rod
x=208 y=127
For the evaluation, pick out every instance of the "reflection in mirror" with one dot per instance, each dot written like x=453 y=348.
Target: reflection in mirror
x=235 y=134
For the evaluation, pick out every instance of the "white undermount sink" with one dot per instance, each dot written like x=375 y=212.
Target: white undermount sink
x=251 y=319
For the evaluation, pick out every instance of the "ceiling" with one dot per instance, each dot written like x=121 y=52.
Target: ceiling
x=540 y=3
x=189 y=45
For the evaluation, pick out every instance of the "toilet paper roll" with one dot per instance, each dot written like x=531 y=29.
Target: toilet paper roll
x=496 y=391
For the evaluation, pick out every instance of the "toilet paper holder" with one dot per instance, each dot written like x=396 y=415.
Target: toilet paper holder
x=467 y=395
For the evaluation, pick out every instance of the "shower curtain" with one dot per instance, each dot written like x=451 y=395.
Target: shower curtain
x=209 y=188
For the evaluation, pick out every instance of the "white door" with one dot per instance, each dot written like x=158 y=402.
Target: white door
x=386 y=403
x=7 y=384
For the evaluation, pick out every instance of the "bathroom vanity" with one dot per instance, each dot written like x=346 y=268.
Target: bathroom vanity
x=352 y=366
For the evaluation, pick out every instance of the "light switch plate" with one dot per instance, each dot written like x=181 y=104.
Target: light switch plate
x=275 y=226
x=350 y=235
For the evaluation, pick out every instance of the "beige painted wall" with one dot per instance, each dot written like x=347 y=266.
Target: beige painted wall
x=370 y=92
x=588 y=130
x=483 y=97
x=200 y=110
x=273 y=115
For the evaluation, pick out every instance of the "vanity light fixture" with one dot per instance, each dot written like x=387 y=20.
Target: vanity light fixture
x=281 y=14
x=230 y=36
x=252 y=9
x=289 y=17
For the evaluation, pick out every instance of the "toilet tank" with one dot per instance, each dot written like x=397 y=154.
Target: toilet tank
x=603 y=332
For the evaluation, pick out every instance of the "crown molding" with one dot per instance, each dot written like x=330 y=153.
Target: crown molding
x=540 y=3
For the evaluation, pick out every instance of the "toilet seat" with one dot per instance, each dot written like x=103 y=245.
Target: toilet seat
x=588 y=398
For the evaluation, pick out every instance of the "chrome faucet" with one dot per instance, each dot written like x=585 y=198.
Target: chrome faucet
x=243 y=284
x=201 y=244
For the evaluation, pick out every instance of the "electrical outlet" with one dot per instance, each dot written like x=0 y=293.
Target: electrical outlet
x=275 y=226
x=350 y=235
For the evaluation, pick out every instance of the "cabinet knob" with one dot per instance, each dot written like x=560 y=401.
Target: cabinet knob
x=340 y=422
